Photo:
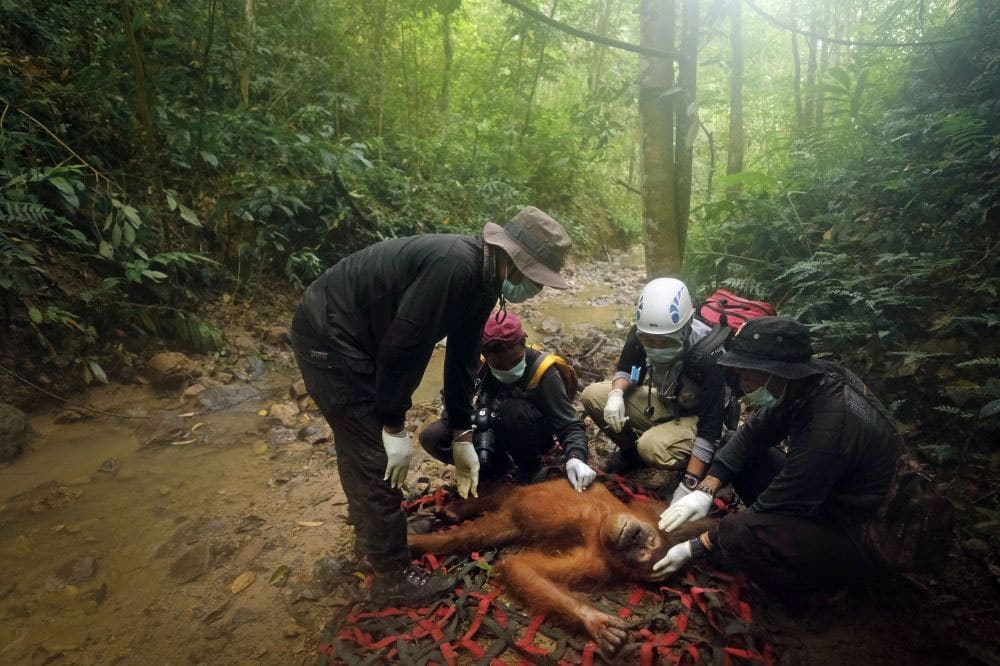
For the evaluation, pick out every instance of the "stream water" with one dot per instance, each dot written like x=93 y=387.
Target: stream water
x=121 y=538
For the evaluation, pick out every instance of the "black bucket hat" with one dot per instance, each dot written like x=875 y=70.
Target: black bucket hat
x=777 y=345
x=536 y=243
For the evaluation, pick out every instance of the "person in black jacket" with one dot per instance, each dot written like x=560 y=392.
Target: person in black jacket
x=665 y=405
x=516 y=413
x=363 y=335
x=812 y=466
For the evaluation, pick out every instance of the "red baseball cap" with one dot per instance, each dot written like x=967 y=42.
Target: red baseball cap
x=508 y=329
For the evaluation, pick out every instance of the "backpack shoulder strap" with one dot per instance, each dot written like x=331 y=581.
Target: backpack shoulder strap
x=545 y=361
x=713 y=340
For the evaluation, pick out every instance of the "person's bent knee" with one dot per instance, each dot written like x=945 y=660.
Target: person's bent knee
x=593 y=398
x=664 y=452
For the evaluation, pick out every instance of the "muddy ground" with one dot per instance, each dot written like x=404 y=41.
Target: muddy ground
x=204 y=524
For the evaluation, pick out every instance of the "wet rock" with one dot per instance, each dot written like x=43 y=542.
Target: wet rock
x=297 y=389
x=276 y=335
x=169 y=370
x=14 y=431
x=244 y=615
x=549 y=326
x=252 y=369
x=109 y=465
x=219 y=397
x=280 y=435
x=163 y=432
x=78 y=570
x=283 y=413
x=293 y=630
x=193 y=563
x=313 y=434
x=249 y=523
x=193 y=391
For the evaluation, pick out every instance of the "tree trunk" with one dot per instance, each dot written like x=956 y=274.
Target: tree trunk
x=246 y=68
x=824 y=63
x=686 y=110
x=538 y=75
x=656 y=78
x=600 y=50
x=143 y=106
x=734 y=162
x=449 y=57
x=796 y=71
x=809 y=113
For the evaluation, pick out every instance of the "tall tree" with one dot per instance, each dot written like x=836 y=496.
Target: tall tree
x=734 y=162
x=656 y=86
x=687 y=117
x=796 y=70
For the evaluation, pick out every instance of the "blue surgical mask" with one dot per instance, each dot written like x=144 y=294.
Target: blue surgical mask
x=513 y=375
x=760 y=397
x=519 y=293
x=663 y=356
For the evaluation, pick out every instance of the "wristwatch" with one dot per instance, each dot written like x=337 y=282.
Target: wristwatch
x=690 y=481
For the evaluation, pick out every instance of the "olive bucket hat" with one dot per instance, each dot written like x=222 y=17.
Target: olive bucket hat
x=536 y=243
x=777 y=345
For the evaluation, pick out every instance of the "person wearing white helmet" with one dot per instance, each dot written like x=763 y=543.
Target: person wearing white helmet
x=664 y=407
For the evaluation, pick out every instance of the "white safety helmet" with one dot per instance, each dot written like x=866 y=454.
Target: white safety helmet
x=664 y=307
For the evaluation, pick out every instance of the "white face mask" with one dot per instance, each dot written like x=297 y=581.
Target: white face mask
x=513 y=375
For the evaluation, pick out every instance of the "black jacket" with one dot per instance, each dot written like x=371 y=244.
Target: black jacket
x=380 y=311
x=707 y=381
x=842 y=449
x=549 y=397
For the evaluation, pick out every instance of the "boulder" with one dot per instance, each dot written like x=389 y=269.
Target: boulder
x=14 y=431
x=170 y=370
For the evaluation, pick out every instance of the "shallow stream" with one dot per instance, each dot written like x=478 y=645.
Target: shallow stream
x=127 y=540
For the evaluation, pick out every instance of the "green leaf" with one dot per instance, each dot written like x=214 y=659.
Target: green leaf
x=116 y=235
x=98 y=371
x=129 y=234
x=188 y=215
x=67 y=191
x=105 y=249
x=171 y=201
x=36 y=315
x=210 y=158
x=155 y=276
x=991 y=408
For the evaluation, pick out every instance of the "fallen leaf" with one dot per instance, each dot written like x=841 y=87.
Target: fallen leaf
x=185 y=442
x=310 y=523
x=280 y=576
x=262 y=412
x=244 y=581
x=197 y=425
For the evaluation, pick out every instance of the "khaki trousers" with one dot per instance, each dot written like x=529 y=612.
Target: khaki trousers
x=660 y=445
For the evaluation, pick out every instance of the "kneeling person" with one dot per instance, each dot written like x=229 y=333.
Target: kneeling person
x=515 y=418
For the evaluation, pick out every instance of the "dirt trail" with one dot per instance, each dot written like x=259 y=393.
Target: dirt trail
x=193 y=536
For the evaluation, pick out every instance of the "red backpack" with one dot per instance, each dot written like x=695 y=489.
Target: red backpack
x=726 y=308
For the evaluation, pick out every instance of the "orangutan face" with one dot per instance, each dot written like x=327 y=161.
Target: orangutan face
x=637 y=542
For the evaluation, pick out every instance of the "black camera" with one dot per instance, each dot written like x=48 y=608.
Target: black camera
x=484 y=440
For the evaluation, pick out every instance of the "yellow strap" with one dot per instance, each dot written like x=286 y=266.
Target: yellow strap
x=544 y=365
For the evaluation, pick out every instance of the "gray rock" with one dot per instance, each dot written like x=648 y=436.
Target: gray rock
x=14 y=431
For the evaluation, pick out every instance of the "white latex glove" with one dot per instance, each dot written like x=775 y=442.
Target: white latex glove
x=692 y=506
x=466 y=468
x=681 y=491
x=580 y=474
x=398 y=449
x=614 y=411
x=676 y=557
